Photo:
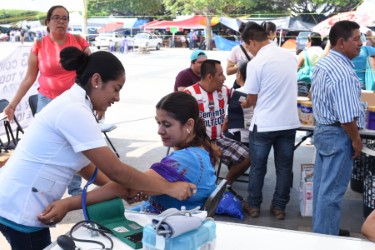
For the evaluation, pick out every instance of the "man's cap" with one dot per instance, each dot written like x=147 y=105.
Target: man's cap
x=197 y=54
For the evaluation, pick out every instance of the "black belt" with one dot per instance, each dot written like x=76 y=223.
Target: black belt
x=336 y=124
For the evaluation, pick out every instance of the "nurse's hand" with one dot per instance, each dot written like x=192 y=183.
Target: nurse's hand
x=182 y=190
x=54 y=213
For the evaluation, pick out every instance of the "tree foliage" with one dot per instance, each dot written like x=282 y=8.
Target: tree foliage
x=13 y=16
x=124 y=7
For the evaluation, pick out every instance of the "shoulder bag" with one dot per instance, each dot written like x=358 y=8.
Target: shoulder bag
x=235 y=84
x=369 y=75
x=306 y=72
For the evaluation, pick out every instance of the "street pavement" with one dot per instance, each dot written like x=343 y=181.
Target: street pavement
x=148 y=78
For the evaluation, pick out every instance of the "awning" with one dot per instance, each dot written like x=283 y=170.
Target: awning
x=232 y=23
x=121 y=23
x=195 y=22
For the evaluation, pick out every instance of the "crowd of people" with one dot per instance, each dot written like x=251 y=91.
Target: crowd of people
x=200 y=120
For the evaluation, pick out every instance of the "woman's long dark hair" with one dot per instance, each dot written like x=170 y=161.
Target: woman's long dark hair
x=182 y=106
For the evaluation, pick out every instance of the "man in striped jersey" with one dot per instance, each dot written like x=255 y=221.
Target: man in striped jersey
x=339 y=114
x=212 y=97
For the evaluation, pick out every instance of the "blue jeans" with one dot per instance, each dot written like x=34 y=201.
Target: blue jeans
x=332 y=171
x=26 y=241
x=260 y=144
x=74 y=187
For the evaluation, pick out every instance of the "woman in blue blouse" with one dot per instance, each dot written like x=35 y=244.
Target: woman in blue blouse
x=193 y=159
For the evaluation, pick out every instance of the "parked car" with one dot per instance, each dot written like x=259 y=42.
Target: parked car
x=102 y=40
x=301 y=41
x=147 y=40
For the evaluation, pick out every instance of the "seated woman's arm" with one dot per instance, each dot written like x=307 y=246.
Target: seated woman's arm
x=368 y=227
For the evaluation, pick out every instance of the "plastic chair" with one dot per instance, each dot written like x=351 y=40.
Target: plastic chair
x=33 y=102
x=213 y=200
x=105 y=128
x=12 y=139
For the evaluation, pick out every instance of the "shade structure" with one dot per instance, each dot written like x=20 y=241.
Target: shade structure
x=121 y=23
x=195 y=22
x=232 y=23
x=360 y=17
x=110 y=27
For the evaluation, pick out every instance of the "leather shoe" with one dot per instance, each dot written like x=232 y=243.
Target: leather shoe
x=279 y=214
x=254 y=212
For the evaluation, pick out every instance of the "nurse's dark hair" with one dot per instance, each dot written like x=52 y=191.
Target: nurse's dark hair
x=181 y=106
x=104 y=63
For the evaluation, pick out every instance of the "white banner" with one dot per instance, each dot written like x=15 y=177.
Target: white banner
x=13 y=67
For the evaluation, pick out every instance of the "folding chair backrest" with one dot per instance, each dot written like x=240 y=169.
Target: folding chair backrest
x=12 y=140
x=213 y=200
x=33 y=102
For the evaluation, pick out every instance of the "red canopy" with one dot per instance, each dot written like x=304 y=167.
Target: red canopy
x=112 y=26
x=195 y=22
x=362 y=18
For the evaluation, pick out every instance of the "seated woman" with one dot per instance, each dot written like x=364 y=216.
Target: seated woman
x=192 y=160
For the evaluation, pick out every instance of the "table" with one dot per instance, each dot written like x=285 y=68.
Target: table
x=241 y=236
x=364 y=133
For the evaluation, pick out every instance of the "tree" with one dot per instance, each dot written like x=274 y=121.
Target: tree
x=124 y=7
x=318 y=10
x=207 y=8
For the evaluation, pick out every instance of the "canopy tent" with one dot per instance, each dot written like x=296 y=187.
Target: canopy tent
x=195 y=22
x=231 y=23
x=285 y=23
x=292 y=23
x=222 y=43
x=121 y=23
x=361 y=17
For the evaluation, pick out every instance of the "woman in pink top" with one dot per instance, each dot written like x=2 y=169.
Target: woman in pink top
x=53 y=79
x=45 y=59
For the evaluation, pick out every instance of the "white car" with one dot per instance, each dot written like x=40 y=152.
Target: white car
x=147 y=40
x=102 y=40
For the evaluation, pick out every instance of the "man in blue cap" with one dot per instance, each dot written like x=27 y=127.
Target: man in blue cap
x=191 y=75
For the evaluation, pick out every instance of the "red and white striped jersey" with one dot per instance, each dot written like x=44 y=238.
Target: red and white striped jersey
x=212 y=108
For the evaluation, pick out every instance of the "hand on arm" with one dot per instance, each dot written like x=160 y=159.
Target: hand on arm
x=352 y=131
x=129 y=177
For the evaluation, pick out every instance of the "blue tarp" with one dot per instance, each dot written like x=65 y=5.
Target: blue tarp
x=232 y=23
x=224 y=44
x=139 y=23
